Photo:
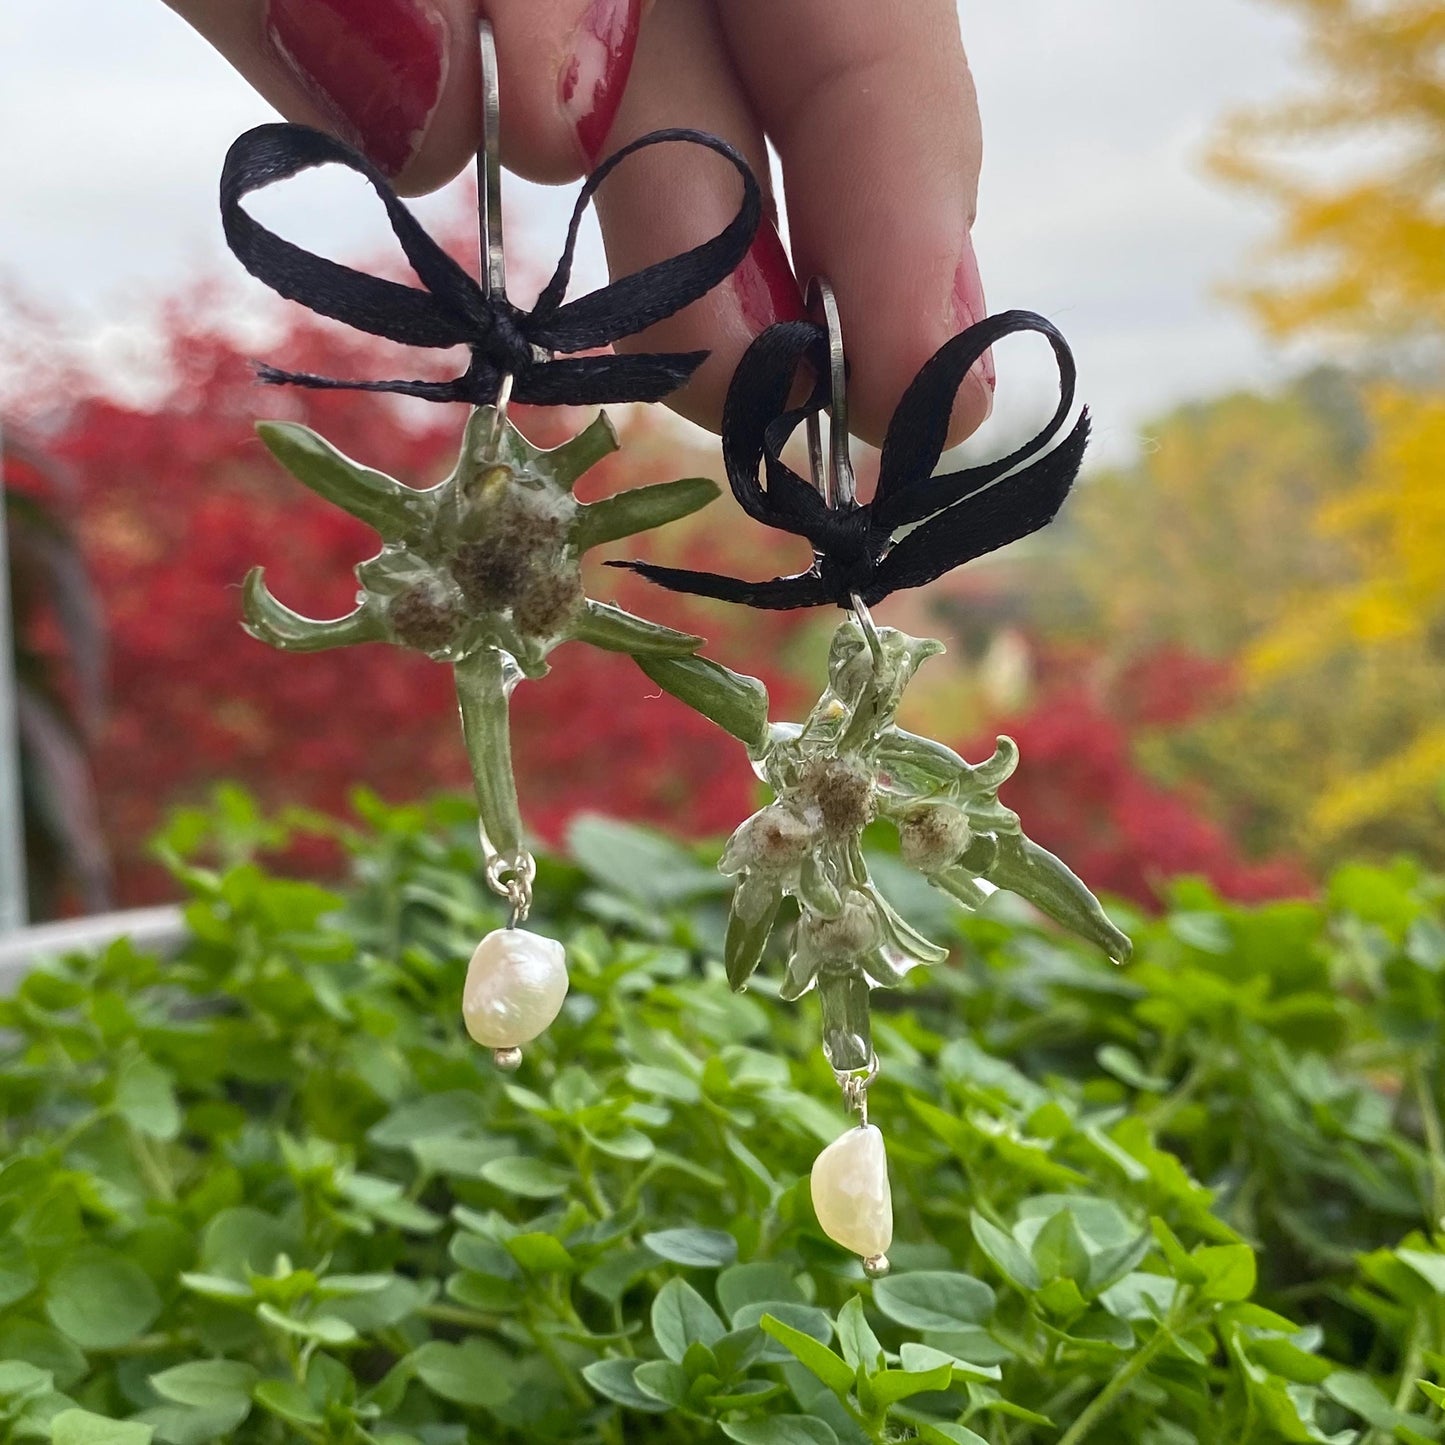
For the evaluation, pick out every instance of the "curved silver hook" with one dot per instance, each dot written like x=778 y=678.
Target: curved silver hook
x=489 y=168
x=839 y=489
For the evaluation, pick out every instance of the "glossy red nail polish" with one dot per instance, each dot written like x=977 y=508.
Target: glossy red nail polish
x=375 y=66
x=591 y=85
x=764 y=283
x=969 y=308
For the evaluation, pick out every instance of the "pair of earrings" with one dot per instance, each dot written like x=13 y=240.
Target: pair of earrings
x=482 y=572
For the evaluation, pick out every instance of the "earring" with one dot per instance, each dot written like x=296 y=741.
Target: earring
x=849 y=762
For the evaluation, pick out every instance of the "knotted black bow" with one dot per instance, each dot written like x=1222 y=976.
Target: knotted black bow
x=454 y=310
x=961 y=515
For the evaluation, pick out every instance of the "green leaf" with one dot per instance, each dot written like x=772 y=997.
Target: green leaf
x=761 y=1282
x=662 y=1380
x=145 y=1097
x=891 y=1386
x=834 y=1371
x=934 y=1300
x=101 y=1300
x=641 y=863
x=614 y=1380
x=208 y=1384
x=1229 y=1271
x=1059 y=1251
x=702 y=1248
x=326 y=1329
x=937 y=1433
x=780 y=1430
x=18 y=1275
x=1429 y=1265
x=640 y=509
x=473 y=1372
x=528 y=1178
x=1358 y=1392
x=1434 y=1393
x=735 y=702
x=1007 y=1254
x=680 y=1315
x=856 y=1338
x=1125 y=1066
x=541 y=1254
x=80 y=1427
x=288 y=1400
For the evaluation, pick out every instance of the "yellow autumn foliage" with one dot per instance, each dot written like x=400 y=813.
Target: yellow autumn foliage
x=1357 y=172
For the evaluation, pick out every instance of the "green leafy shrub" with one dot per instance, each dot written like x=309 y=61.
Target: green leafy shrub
x=268 y=1190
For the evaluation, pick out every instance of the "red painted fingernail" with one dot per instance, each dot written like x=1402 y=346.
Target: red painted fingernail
x=969 y=307
x=766 y=288
x=592 y=81
x=375 y=66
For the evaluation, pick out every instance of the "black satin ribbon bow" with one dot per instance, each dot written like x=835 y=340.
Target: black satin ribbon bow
x=959 y=515
x=454 y=310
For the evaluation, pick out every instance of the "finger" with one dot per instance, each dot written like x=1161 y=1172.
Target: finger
x=872 y=110
x=672 y=197
x=400 y=79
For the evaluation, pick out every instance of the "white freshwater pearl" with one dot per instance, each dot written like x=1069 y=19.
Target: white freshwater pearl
x=850 y=1192
x=515 y=985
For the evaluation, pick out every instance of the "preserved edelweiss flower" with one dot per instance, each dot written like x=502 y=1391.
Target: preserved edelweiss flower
x=774 y=840
x=932 y=836
x=842 y=789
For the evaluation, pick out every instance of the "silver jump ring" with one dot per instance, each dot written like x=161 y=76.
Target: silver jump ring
x=855 y=1088
x=512 y=879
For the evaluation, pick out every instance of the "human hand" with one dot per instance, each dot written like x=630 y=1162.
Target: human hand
x=869 y=104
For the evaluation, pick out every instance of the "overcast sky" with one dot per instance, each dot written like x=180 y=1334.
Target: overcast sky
x=1094 y=209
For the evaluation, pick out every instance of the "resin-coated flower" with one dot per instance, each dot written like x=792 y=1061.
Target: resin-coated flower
x=832 y=775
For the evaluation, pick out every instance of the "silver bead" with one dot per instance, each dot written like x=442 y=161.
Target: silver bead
x=876 y=1266
x=508 y=1060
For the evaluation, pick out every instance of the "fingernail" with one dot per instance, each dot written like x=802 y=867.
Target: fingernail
x=969 y=308
x=375 y=66
x=764 y=283
x=592 y=81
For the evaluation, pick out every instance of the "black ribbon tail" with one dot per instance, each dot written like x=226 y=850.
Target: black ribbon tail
x=919 y=429
x=806 y=589
x=986 y=520
x=455 y=390
x=579 y=381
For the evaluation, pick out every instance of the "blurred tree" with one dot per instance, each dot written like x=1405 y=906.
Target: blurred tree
x=1360 y=257
x=1202 y=547
x=1357 y=170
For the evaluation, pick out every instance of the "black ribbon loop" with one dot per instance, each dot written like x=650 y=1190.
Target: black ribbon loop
x=960 y=515
x=454 y=310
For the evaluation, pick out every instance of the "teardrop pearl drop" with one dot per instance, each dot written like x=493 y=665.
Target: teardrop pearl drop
x=851 y=1196
x=515 y=985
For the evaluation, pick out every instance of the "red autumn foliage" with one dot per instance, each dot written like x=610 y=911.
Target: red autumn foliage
x=179 y=499
x=1082 y=794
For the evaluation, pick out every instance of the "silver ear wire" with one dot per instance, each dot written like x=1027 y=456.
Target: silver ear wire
x=489 y=169
x=837 y=484
x=838 y=487
x=493 y=259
